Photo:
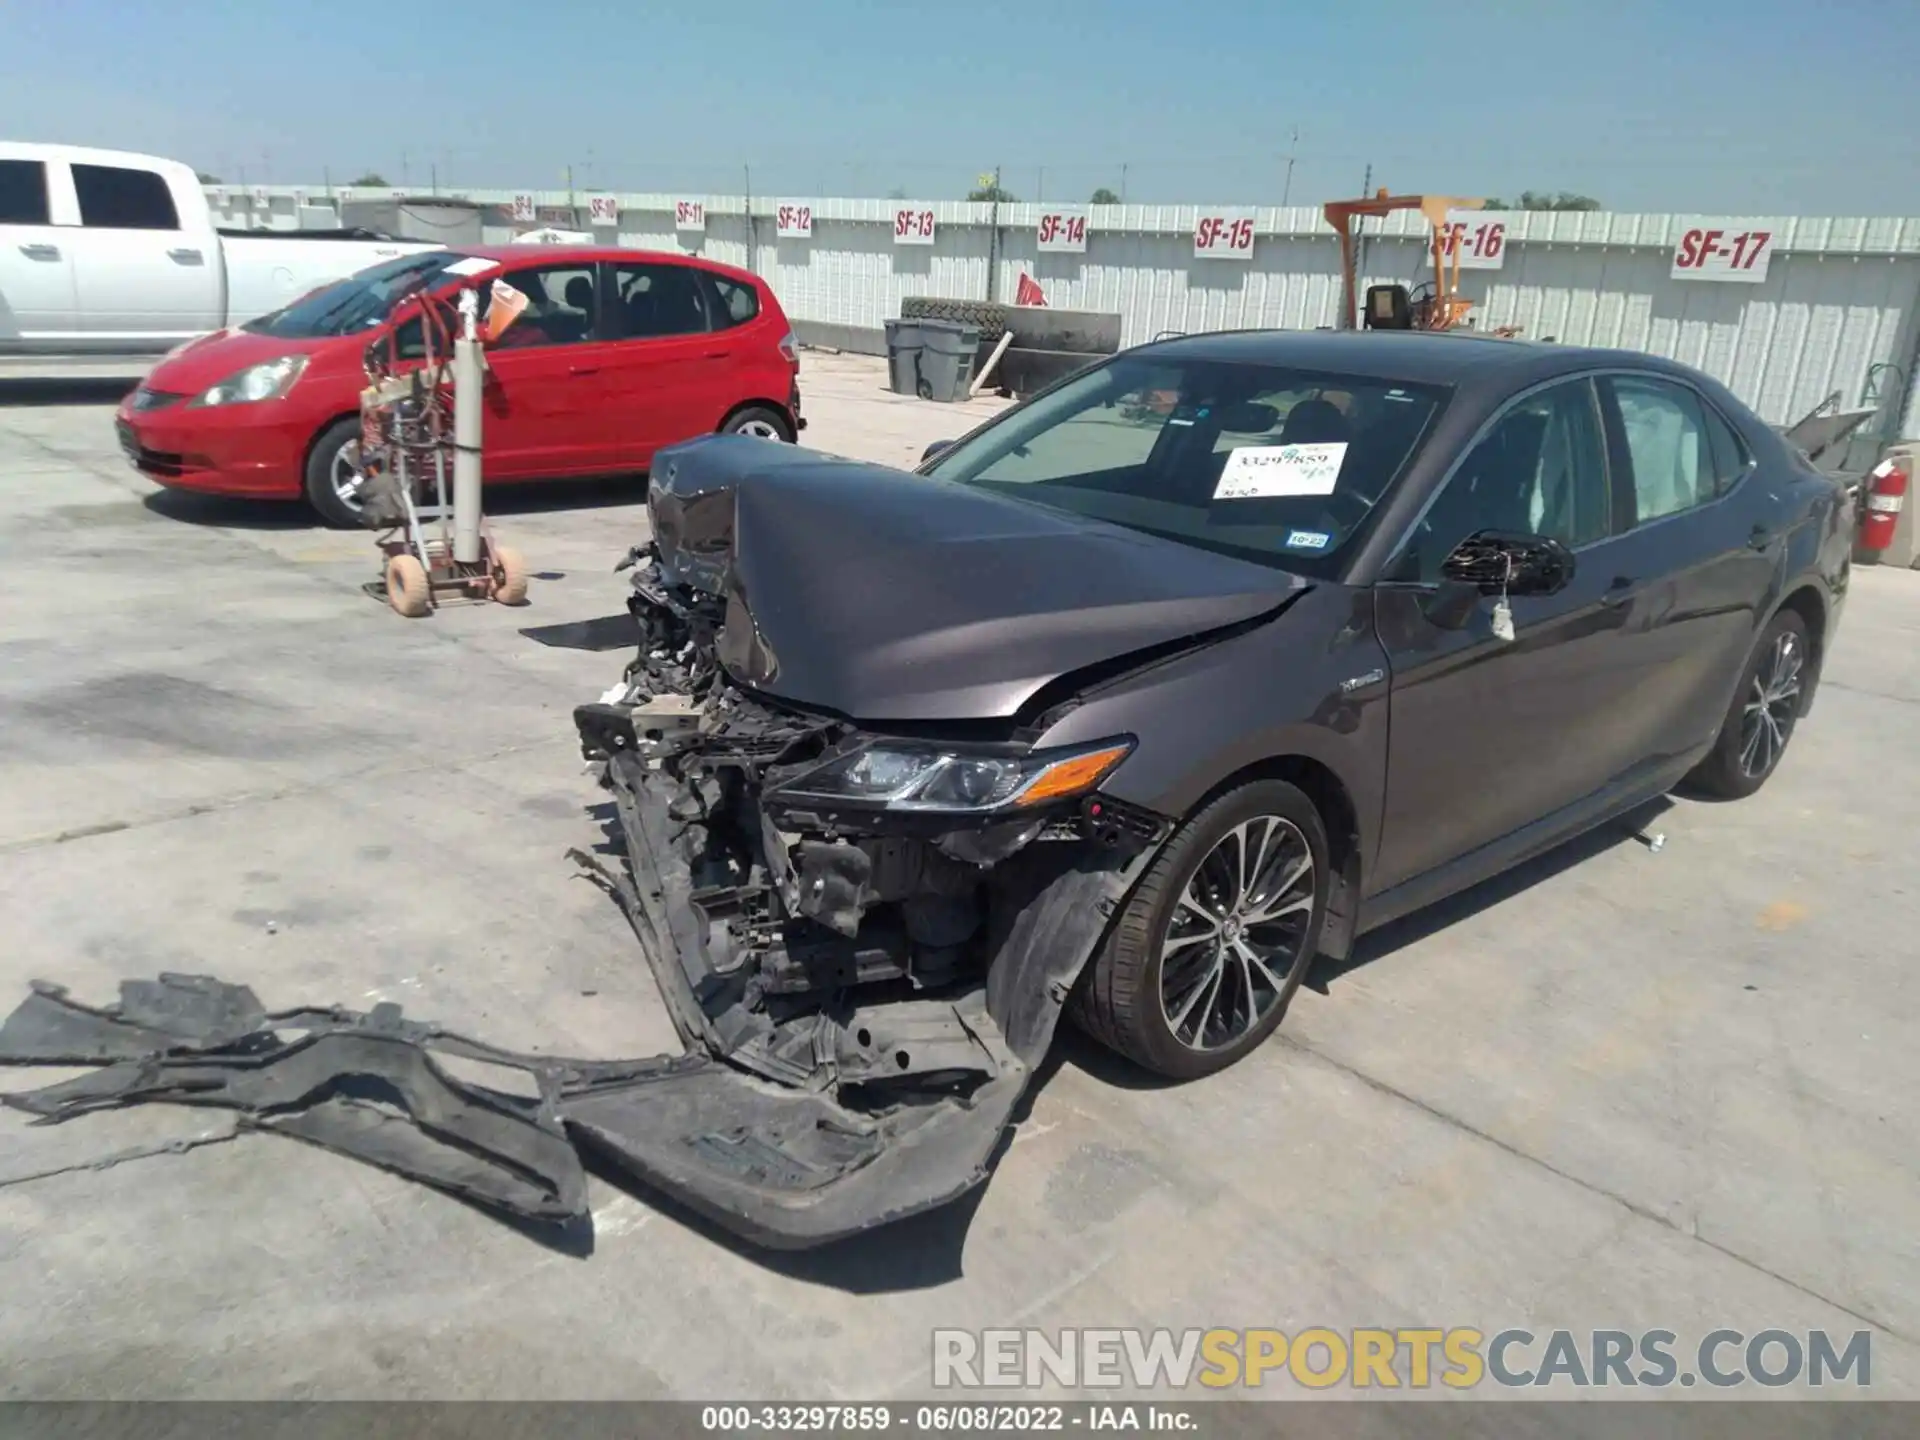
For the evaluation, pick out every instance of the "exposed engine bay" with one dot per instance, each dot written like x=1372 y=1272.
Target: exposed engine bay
x=895 y=972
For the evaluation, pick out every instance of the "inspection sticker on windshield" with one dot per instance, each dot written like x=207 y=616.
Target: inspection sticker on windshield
x=1258 y=471
x=1307 y=539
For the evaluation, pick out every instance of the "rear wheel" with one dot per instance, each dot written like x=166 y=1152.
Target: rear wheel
x=1203 y=962
x=759 y=421
x=333 y=474
x=1765 y=708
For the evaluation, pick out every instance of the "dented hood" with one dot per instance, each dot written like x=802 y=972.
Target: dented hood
x=883 y=595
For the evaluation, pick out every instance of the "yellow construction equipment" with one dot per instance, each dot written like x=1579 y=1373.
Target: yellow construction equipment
x=1434 y=304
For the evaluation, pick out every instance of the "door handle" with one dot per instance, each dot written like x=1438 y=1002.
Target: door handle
x=719 y=355
x=40 y=252
x=1620 y=591
x=1759 y=538
x=185 y=255
x=583 y=369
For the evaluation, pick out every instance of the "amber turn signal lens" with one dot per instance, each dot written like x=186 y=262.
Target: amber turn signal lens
x=1072 y=775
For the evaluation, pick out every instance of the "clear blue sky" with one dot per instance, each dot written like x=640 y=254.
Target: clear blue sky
x=1696 y=105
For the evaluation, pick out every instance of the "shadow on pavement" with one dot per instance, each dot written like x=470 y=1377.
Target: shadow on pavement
x=33 y=390
x=236 y=512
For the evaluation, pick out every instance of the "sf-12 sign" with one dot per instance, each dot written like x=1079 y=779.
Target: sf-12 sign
x=1722 y=250
x=522 y=210
x=1479 y=239
x=603 y=210
x=1223 y=235
x=690 y=215
x=1063 y=231
x=793 y=221
x=913 y=227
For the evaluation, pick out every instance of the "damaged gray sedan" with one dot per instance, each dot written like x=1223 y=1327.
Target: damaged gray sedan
x=1136 y=699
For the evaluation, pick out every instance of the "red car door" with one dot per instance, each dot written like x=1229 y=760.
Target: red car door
x=546 y=408
x=670 y=376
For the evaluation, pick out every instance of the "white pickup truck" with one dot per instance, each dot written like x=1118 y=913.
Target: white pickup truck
x=105 y=253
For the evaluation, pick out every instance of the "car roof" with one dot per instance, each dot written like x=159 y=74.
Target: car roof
x=594 y=253
x=1450 y=357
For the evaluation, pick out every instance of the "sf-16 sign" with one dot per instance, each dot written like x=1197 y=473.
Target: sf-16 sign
x=1722 y=250
x=1480 y=240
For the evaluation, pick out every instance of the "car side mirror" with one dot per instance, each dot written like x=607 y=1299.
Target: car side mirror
x=1493 y=561
x=935 y=450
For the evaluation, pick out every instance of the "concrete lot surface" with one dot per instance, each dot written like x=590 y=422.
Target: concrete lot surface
x=1618 y=1089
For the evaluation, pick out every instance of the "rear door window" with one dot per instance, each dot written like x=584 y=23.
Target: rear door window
x=23 y=193
x=1669 y=446
x=113 y=197
x=656 y=302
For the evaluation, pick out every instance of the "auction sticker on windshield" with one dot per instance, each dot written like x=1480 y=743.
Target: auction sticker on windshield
x=1260 y=471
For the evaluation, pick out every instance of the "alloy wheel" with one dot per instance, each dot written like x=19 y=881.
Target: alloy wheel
x=1773 y=701
x=344 y=475
x=1236 y=933
x=763 y=429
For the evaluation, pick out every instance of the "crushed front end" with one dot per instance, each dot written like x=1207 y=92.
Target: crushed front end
x=865 y=939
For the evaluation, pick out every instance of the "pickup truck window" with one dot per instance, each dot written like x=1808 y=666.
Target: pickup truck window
x=356 y=303
x=113 y=197
x=23 y=193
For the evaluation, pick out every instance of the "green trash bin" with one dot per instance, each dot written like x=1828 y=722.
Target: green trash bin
x=903 y=356
x=947 y=350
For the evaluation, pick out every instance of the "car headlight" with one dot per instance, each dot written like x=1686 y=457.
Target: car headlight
x=268 y=380
x=907 y=775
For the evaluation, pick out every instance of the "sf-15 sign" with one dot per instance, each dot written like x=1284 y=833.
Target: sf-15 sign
x=1722 y=250
x=1223 y=235
x=1063 y=231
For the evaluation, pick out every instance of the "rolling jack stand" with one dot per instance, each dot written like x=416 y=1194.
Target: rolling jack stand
x=433 y=546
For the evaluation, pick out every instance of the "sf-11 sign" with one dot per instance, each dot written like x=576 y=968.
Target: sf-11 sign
x=913 y=227
x=1478 y=239
x=603 y=210
x=690 y=215
x=1063 y=232
x=793 y=221
x=1223 y=235
x=1722 y=250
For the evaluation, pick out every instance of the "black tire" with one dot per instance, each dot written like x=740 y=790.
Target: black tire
x=754 y=419
x=320 y=465
x=1743 y=758
x=991 y=318
x=1120 y=999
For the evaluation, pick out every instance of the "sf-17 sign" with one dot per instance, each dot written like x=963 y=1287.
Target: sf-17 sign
x=1722 y=250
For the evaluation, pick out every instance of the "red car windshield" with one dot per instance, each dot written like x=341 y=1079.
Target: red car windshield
x=356 y=303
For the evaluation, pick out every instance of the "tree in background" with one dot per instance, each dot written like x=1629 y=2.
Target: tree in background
x=1540 y=200
x=898 y=192
x=992 y=193
x=1104 y=196
x=372 y=177
x=205 y=179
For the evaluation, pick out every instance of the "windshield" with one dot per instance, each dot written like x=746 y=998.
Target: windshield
x=356 y=303
x=1280 y=466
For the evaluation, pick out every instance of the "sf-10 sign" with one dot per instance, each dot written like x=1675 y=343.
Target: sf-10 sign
x=522 y=210
x=1223 y=235
x=603 y=210
x=913 y=227
x=1722 y=250
x=1063 y=232
x=793 y=221
x=690 y=215
x=1479 y=240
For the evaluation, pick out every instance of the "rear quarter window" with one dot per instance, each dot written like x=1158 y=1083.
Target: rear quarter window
x=113 y=197
x=23 y=193
x=739 y=302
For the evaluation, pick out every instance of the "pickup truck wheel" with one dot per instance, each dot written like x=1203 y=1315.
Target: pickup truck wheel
x=333 y=474
x=758 y=420
x=1205 y=958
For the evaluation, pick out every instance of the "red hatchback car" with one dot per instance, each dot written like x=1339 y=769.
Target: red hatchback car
x=618 y=353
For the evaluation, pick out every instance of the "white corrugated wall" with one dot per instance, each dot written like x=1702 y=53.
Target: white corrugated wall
x=1839 y=310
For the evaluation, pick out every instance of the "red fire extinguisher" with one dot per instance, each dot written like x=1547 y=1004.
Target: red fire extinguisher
x=1886 y=496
